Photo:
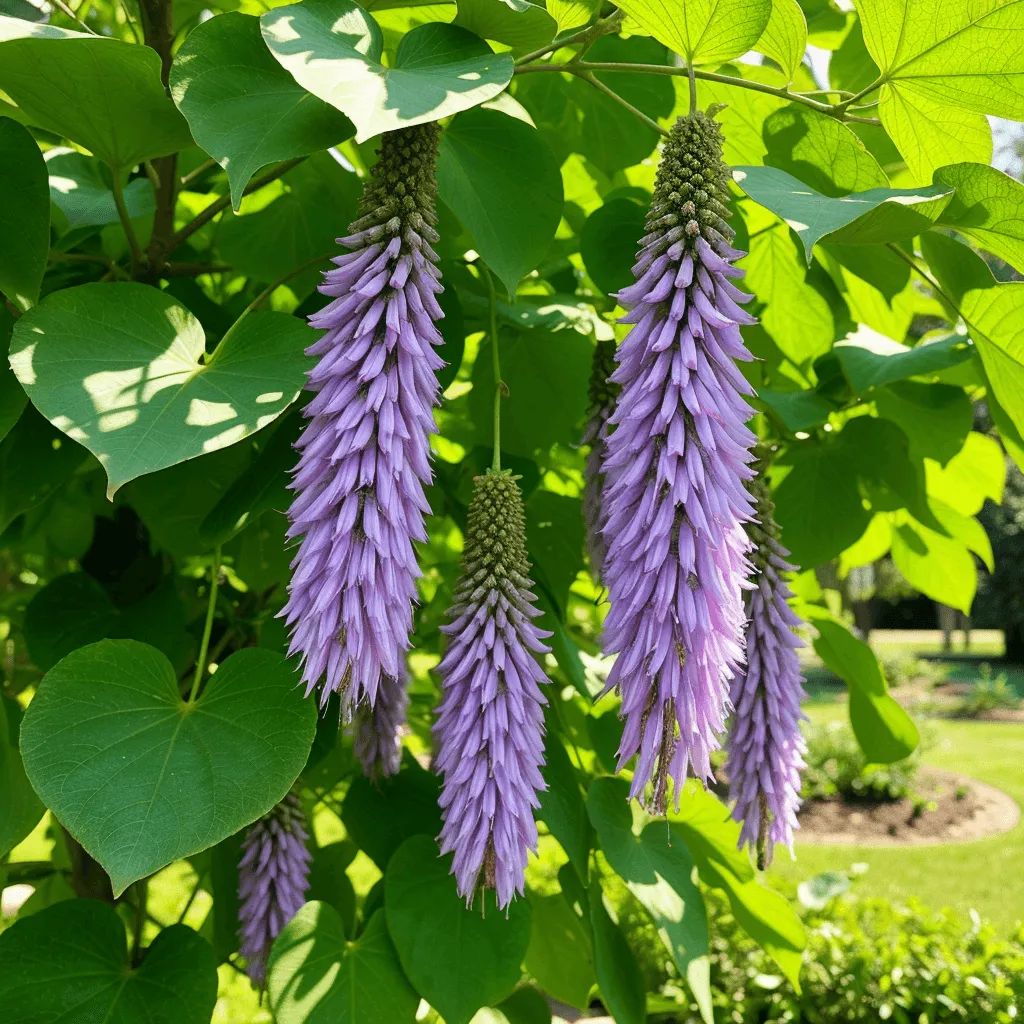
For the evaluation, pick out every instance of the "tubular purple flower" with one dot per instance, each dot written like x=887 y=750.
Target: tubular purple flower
x=677 y=461
x=766 y=746
x=490 y=723
x=595 y=434
x=273 y=876
x=378 y=739
x=365 y=455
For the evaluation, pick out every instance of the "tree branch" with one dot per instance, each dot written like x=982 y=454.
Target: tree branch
x=585 y=35
x=581 y=68
x=204 y=218
x=612 y=94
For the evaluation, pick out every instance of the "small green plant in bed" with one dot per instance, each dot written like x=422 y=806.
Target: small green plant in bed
x=990 y=693
x=837 y=767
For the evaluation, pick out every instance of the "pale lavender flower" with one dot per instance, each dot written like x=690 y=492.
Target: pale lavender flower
x=490 y=724
x=766 y=746
x=677 y=461
x=378 y=739
x=595 y=434
x=273 y=876
x=365 y=455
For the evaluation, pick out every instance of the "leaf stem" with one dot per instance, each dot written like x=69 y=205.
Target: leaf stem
x=499 y=385
x=588 y=76
x=74 y=17
x=928 y=279
x=586 y=35
x=126 y=221
x=205 y=216
x=580 y=68
x=211 y=607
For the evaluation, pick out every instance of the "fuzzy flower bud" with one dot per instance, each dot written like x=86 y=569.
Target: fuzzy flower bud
x=595 y=434
x=676 y=465
x=378 y=739
x=364 y=455
x=489 y=732
x=273 y=876
x=766 y=746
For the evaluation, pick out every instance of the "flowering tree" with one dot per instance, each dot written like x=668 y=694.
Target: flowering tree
x=421 y=429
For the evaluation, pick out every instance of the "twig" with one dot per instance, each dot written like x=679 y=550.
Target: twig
x=126 y=221
x=612 y=94
x=192 y=175
x=837 y=111
x=585 y=35
x=205 y=216
x=928 y=279
x=12 y=308
x=74 y=17
x=204 y=645
x=193 y=269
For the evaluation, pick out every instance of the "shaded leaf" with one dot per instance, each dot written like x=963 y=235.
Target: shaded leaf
x=24 y=216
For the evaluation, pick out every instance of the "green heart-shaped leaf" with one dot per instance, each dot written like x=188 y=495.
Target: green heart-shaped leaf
x=459 y=959
x=316 y=976
x=140 y=777
x=24 y=216
x=861 y=218
x=122 y=368
x=333 y=49
x=242 y=106
x=70 y=962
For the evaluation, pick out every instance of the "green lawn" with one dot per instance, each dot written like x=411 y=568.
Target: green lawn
x=983 y=874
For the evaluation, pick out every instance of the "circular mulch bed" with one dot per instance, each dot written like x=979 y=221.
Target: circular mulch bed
x=964 y=809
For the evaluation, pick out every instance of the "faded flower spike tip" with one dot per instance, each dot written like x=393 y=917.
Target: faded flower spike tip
x=364 y=455
x=766 y=746
x=378 y=739
x=273 y=876
x=489 y=732
x=677 y=462
x=595 y=434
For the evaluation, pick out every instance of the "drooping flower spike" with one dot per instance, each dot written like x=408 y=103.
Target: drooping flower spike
x=273 y=876
x=677 y=462
x=766 y=746
x=489 y=731
x=595 y=434
x=378 y=738
x=364 y=455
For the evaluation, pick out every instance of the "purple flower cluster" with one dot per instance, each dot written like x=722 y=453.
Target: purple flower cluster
x=677 y=462
x=595 y=434
x=273 y=876
x=365 y=455
x=378 y=738
x=765 y=744
x=490 y=724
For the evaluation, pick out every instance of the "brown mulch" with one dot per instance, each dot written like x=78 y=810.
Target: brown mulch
x=981 y=810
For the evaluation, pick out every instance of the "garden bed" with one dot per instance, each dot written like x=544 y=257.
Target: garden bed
x=959 y=809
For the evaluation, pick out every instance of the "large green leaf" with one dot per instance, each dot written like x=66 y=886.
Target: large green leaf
x=80 y=188
x=703 y=31
x=987 y=208
x=561 y=953
x=333 y=49
x=457 y=958
x=12 y=395
x=498 y=176
x=123 y=369
x=519 y=24
x=660 y=875
x=820 y=151
x=102 y=93
x=712 y=837
x=944 y=66
x=546 y=374
x=24 y=216
x=618 y=974
x=798 y=410
x=70 y=962
x=20 y=809
x=381 y=815
x=316 y=976
x=198 y=772
x=995 y=319
x=861 y=218
x=608 y=242
x=319 y=201
x=976 y=473
x=939 y=566
x=955 y=266
x=935 y=417
x=871 y=360
x=243 y=107
x=561 y=804
x=35 y=459
x=554 y=526
x=884 y=730
x=785 y=36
